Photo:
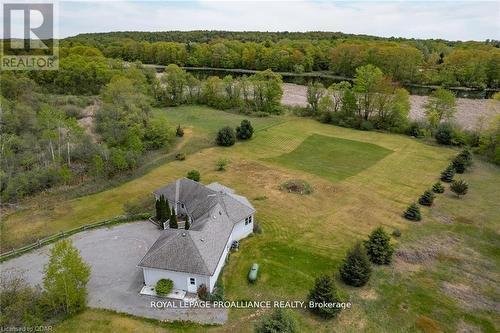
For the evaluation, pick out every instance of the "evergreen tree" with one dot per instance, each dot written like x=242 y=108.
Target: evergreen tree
x=245 y=130
x=448 y=174
x=459 y=187
x=426 y=199
x=412 y=213
x=459 y=164
x=279 y=321
x=356 y=269
x=226 y=137
x=466 y=155
x=379 y=248
x=158 y=209
x=173 y=220
x=187 y=225
x=166 y=209
x=324 y=291
x=438 y=188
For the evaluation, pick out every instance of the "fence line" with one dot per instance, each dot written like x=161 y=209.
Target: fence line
x=63 y=234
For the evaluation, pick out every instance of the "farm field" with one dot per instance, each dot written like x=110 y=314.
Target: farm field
x=445 y=273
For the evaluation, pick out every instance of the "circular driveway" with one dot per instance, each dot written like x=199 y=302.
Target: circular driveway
x=113 y=254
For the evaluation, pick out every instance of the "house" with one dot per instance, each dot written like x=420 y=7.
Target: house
x=190 y=258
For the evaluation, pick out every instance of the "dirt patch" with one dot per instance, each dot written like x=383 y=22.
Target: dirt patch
x=427 y=325
x=471 y=113
x=464 y=327
x=468 y=297
x=463 y=219
x=87 y=121
x=368 y=294
x=443 y=218
x=427 y=249
x=297 y=186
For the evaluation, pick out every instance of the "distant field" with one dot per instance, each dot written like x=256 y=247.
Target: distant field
x=443 y=280
x=331 y=158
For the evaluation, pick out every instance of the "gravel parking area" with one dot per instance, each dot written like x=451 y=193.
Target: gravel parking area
x=471 y=113
x=115 y=282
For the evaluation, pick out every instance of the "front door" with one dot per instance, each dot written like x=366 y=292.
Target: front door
x=192 y=285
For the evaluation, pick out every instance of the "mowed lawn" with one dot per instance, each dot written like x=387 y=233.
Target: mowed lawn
x=46 y=215
x=332 y=158
x=306 y=236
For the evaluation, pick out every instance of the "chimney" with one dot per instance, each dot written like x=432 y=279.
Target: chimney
x=177 y=185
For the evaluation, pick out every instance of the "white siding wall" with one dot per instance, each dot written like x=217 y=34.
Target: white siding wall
x=241 y=230
x=221 y=263
x=180 y=279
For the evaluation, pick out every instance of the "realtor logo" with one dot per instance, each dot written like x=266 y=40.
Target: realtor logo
x=28 y=37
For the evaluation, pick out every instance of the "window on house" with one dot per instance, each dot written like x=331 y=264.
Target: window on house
x=192 y=281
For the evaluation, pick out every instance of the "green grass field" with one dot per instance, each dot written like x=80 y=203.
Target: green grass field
x=332 y=158
x=364 y=180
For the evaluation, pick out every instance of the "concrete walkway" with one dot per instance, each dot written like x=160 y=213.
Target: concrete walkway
x=113 y=254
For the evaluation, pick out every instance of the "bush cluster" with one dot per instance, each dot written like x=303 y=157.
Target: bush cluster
x=226 y=136
x=164 y=287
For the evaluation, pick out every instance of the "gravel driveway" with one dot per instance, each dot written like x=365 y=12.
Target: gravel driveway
x=471 y=113
x=115 y=282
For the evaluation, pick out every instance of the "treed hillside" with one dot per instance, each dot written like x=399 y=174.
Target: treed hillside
x=469 y=64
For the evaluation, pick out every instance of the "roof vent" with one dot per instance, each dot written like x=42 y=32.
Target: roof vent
x=202 y=239
x=183 y=234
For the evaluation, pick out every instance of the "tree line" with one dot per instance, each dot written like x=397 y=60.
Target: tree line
x=260 y=92
x=469 y=64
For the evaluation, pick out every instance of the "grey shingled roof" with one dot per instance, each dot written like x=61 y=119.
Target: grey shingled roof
x=215 y=209
x=175 y=250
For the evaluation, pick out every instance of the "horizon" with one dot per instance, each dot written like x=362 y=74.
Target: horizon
x=452 y=21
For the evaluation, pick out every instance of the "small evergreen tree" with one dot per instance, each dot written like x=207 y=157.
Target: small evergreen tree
x=412 y=213
x=179 y=131
x=444 y=134
x=158 y=209
x=356 y=269
x=438 y=188
x=194 y=175
x=245 y=130
x=163 y=210
x=173 y=220
x=279 y=321
x=166 y=209
x=324 y=291
x=379 y=248
x=225 y=137
x=187 y=225
x=448 y=174
x=466 y=155
x=459 y=164
x=426 y=199
x=459 y=187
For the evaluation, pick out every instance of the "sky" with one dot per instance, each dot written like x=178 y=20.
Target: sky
x=452 y=20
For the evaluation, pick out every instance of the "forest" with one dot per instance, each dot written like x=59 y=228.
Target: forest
x=436 y=62
x=42 y=143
